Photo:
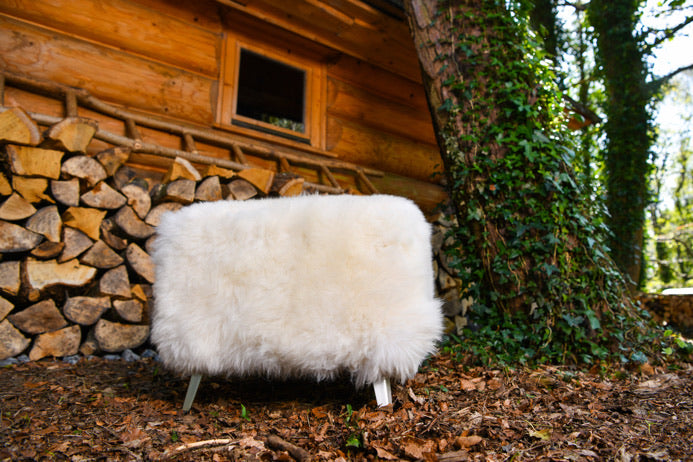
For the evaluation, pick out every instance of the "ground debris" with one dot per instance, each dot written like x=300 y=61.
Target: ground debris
x=116 y=410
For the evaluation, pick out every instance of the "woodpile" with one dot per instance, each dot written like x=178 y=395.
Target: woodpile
x=75 y=272
x=674 y=310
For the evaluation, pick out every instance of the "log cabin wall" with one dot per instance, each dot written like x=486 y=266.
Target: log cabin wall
x=171 y=59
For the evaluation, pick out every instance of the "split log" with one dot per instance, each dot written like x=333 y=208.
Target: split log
x=213 y=170
x=32 y=189
x=85 y=168
x=116 y=283
x=129 y=310
x=110 y=236
x=101 y=256
x=87 y=220
x=241 y=190
x=287 y=184
x=142 y=292
x=113 y=158
x=89 y=346
x=103 y=196
x=12 y=342
x=39 y=318
x=66 y=192
x=181 y=168
x=44 y=274
x=128 y=222
x=258 y=177
x=154 y=216
x=47 y=250
x=10 y=279
x=17 y=127
x=138 y=198
x=140 y=262
x=5 y=186
x=5 y=308
x=86 y=311
x=14 y=238
x=76 y=243
x=72 y=134
x=47 y=223
x=31 y=161
x=114 y=337
x=16 y=208
x=209 y=190
x=181 y=190
x=63 y=342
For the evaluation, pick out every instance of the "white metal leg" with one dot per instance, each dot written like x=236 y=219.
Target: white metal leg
x=383 y=393
x=192 y=391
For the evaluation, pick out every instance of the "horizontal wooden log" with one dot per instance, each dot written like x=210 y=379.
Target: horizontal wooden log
x=132 y=27
x=132 y=81
x=102 y=196
x=386 y=114
x=360 y=144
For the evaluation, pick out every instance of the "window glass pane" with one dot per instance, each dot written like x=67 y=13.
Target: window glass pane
x=271 y=91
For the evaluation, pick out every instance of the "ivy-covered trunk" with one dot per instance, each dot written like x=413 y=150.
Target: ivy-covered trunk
x=529 y=254
x=628 y=128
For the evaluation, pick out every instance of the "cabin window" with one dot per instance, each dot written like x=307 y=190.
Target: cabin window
x=271 y=92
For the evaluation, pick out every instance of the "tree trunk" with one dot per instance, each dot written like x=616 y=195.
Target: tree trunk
x=628 y=129
x=527 y=247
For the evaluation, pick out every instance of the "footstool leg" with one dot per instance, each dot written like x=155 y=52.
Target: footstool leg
x=192 y=391
x=383 y=393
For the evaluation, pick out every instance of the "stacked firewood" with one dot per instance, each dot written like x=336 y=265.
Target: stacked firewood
x=674 y=310
x=448 y=285
x=76 y=230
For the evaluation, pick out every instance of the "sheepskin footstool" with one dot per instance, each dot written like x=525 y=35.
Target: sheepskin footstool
x=308 y=286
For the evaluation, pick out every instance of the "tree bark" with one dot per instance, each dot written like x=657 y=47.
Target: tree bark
x=528 y=251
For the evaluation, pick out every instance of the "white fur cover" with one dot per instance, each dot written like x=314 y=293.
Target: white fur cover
x=308 y=286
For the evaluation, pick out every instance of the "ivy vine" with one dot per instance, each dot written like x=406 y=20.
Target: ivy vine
x=528 y=253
